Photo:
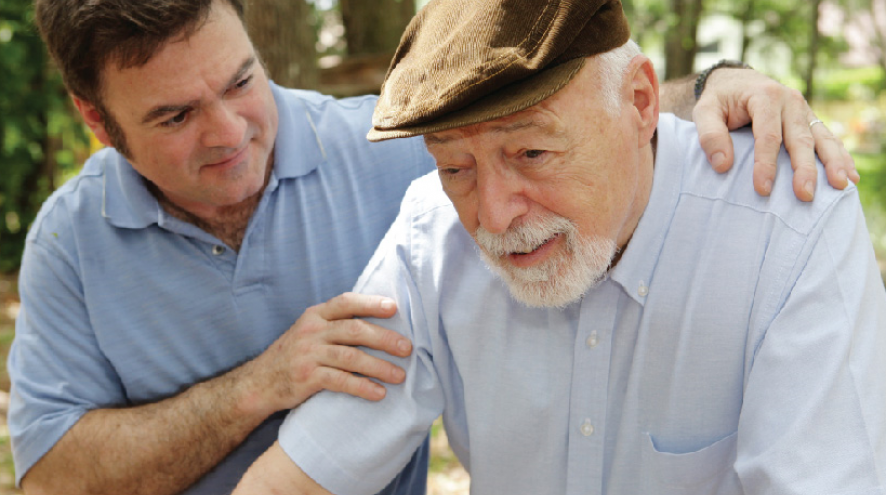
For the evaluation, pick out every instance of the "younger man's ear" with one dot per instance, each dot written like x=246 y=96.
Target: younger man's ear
x=644 y=84
x=93 y=119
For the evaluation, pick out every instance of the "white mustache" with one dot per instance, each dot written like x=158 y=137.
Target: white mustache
x=525 y=237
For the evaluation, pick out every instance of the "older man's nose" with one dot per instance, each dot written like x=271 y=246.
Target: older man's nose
x=500 y=200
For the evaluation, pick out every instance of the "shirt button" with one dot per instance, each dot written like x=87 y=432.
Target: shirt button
x=587 y=429
x=643 y=290
x=592 y=340
x=218 y=250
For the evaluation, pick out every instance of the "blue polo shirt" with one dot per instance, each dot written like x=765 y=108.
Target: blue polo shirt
x=123 y=304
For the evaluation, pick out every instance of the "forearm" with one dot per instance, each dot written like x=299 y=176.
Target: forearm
x=678 y=96
x=159 y=448
x=274 y=473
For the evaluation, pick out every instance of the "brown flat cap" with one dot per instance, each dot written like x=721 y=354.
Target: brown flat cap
x=462 y=62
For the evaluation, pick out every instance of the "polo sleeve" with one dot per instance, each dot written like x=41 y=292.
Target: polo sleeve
x=57 y=370
x=353 y=446
x=814 y=414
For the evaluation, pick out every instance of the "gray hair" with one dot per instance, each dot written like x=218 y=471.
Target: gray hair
x=611 y=69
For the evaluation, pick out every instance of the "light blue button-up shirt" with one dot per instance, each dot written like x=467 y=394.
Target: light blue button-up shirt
x=123 y=304
x=739 y=346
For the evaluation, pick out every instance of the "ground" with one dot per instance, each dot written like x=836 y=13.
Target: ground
x=8 y=311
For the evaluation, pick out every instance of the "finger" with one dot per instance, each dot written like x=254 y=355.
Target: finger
x=337 y=380
x=838 y=163
x=713 y=134
x=350 y=305
x=800 y=145
x=354 y=360
x=767 y=126
x=363 y=333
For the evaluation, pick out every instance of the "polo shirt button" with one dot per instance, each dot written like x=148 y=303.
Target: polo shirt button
x=643 y=290
x=592 y=340
x=218 y=250
x=587 y=429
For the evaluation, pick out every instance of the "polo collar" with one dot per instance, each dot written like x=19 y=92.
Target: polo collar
x=298 y=150
x=635 y=269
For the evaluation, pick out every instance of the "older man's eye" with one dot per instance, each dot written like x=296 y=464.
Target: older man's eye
x=533 y=153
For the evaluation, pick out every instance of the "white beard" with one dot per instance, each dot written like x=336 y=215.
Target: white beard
x=561 y=279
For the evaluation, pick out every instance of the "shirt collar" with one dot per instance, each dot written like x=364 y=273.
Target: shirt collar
x=298 y=150
x=637 y=265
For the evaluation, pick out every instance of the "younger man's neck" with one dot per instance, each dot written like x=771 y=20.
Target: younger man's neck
x=227 y=223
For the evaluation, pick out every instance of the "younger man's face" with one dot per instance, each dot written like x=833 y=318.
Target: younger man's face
x=199 y=118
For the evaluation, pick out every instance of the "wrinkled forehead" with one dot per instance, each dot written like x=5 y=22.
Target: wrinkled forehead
x=541 y=119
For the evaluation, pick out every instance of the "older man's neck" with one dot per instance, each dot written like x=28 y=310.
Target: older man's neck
x=227 y=223
x=641 y=200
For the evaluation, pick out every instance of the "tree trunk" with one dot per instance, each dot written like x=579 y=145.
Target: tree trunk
x=877 y=9
x=746 y=17
x=680 y=40
x=373 y=28
x=814 y=39
x=285 y=40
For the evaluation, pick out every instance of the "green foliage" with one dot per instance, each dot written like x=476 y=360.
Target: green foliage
x=788 y=22
x=849 y=84
x=39 y=137
x=872 y=192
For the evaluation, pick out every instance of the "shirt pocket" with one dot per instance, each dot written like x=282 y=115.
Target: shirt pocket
x=706 y=471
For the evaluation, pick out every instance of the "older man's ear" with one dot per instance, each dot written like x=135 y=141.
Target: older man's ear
x=644 y=88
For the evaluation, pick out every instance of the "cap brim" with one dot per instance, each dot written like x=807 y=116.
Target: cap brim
x=506 y=101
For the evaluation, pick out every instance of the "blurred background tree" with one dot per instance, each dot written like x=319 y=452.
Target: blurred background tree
x=40 y=140
x=285 y=33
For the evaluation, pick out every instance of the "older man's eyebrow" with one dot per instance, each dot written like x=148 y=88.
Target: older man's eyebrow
x=163 y=110
x=546 y=128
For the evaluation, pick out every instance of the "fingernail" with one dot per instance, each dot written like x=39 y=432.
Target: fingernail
x=767 y=186
x=808 y=187
x=844 y=180
x=404 y=346
x=398 y=375
x=718 y=160
x=855 y=177
x=378 y=390
x=387 y=304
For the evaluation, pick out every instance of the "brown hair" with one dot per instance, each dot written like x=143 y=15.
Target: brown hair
x=83 y=36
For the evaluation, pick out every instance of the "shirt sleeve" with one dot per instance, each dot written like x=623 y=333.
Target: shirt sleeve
x=814 y=414
x=57 y=370
x=353 y=446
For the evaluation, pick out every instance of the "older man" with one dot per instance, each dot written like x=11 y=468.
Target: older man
x=660 y=329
